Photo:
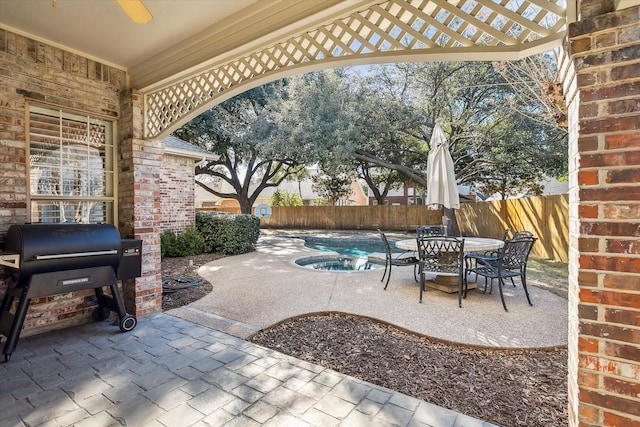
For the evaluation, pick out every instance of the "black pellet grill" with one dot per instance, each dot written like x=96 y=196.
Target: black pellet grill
x=48 y=259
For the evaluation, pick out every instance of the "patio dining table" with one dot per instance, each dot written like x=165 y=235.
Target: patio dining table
x=449 y=283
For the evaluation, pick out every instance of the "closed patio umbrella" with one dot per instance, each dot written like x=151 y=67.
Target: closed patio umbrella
x=442 y=190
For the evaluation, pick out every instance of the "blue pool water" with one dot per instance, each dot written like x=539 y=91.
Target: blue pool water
x=354 y=253
x=352 y=247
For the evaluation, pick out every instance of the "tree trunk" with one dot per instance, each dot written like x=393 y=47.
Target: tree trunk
x=245 y=206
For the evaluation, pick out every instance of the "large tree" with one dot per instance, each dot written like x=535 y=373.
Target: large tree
x=318 y=118
x=379 y=124
x=333 y=183
x=241 y=132
x=380 y=180
x=537 y=82
x=384 y=118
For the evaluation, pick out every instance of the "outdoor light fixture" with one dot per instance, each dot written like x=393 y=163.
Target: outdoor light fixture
x=136 y=10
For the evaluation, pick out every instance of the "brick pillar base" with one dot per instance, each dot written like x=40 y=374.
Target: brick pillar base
x=604 y=354
x=139 y=215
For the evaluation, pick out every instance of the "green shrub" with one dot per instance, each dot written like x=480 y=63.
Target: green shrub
x=228 y=234
x=167 y=240
x=184 y=243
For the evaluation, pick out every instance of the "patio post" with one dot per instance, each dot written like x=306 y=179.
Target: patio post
x=139 y=168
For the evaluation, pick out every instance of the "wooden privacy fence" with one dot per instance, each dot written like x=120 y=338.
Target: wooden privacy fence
x=547 y=217
x=353 y=217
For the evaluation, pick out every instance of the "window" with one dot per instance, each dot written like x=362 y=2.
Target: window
x=71 y=167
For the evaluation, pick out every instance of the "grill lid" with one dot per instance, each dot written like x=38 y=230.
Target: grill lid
x=54 y=247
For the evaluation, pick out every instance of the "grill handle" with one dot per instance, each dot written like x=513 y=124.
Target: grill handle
x=77 y=254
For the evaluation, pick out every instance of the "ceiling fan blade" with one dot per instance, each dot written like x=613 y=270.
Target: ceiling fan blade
x=136 y=10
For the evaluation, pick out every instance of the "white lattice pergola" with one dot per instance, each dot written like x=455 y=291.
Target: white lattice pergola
x=377 y=32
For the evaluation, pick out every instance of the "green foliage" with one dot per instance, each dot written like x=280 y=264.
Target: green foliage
x=498 y=120
x=283 y=198
x=167 y=239
x=228 y=234
x=184 y=243
x=333 y=184
x=317 y=118
x=242 y=133
x=278 y=198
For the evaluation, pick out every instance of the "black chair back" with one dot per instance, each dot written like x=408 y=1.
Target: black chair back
x=521 y=234
x=515 y=253
x=506 y=235
x=385 y=242
x=430 y=230
x=441 y=254
x=401 y=260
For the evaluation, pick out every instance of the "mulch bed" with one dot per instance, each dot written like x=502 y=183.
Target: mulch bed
x=505 y=387
x=174 y=272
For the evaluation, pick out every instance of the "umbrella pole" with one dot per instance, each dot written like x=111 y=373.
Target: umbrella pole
x=450 y=222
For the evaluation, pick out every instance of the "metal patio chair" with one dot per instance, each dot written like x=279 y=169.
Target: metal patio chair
x=400 y=260
x=487 y=255
x=510 y=262
x=443 y=256
x=492 y=256
x=430 y=230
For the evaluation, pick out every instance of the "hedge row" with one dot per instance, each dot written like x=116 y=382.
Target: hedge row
x=218 y=232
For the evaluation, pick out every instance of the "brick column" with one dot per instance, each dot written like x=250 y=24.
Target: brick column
x=604 y=306
x=139 y=214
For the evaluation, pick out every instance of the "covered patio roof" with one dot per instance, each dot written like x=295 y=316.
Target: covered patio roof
x=352 y=33
x=195 y=53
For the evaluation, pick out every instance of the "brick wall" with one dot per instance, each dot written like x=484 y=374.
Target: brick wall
x=35 y=71
x=177 y=193
x=605 y=387
x=139 y=204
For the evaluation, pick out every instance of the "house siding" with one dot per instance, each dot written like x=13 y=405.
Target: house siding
x=177 y=193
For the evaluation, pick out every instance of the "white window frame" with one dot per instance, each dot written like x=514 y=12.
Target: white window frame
x=72 y=173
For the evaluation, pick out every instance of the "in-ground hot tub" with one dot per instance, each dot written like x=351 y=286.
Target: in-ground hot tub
x=341 y=263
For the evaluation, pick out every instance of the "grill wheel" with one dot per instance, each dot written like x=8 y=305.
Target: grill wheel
x=127 y=323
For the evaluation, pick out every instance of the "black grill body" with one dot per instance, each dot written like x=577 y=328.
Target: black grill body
x=59 y=258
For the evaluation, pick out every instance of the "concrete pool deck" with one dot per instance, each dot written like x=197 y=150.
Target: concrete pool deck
x=258 y=289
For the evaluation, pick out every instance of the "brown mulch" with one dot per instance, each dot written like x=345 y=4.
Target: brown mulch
x=174 y=269
x=505 y=387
